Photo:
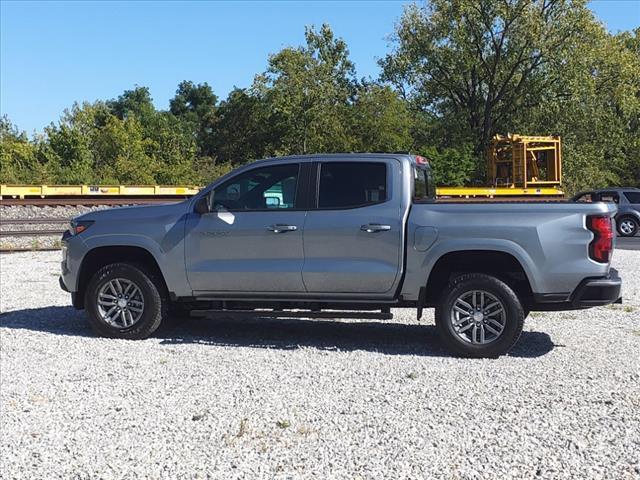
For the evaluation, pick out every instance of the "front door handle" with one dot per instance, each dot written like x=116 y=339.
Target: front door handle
x=375 y=227
x=280 y=228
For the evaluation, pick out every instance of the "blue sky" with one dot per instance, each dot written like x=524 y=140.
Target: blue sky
x=55 y=53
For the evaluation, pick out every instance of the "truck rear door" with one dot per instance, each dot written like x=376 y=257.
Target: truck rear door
x=353 y=237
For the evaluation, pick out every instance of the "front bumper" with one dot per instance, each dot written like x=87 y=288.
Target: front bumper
x=62 y=285
x=594 y=292
x=74 y=295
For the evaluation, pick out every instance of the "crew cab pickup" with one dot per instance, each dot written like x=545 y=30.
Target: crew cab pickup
x=340 y=236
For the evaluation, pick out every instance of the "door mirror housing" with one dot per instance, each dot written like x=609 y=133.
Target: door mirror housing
x=202 y=205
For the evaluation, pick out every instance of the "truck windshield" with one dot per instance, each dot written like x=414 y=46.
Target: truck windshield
x=423 y=188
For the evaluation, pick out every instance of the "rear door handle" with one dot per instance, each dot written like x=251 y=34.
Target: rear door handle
x=280 y=228
x=375 y=227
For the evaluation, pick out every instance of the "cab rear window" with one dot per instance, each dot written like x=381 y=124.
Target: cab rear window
x=423 y=188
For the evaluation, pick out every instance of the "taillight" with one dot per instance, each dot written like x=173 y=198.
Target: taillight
x=601 y=247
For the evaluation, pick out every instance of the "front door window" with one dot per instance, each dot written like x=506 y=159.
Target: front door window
x=268 y=188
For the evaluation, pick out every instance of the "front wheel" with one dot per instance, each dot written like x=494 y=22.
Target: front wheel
x=627 y=226
x=124 y=301
x=479 y=316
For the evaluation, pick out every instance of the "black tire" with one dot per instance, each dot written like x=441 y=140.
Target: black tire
x=513 y=323
x=629 y=223
x=155 y=304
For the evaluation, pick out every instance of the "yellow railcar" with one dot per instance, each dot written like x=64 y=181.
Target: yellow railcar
x=43 y=191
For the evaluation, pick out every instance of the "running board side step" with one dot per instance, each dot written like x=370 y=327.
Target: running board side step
x=386 y=315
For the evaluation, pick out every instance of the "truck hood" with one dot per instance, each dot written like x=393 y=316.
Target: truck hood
x=138 y=212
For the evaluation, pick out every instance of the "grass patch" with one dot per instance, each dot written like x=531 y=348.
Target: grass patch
x=629 y=309
x=199 y=416
x=305 y=430
x=283 y=424
x=244 y=428
x=412 y=375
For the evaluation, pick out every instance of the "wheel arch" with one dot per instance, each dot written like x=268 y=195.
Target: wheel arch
x=98 y=257
x=501 y=264
x=627 y=214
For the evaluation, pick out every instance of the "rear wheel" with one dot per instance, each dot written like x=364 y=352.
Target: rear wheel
x=479 y=316
x=124 y=301
x=627 y=226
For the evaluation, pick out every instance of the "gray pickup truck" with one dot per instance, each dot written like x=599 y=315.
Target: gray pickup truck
x=340 y=236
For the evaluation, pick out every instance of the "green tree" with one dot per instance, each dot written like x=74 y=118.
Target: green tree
x=69 y=148
x=123 y=151
x=243 y=130
x=594 y=104
x=136 y=102
x=195 y=104
x=18 y=156
x=381 y=120
x=308 y=92
x=477 y=64
x=452 y=167
x=174 y=150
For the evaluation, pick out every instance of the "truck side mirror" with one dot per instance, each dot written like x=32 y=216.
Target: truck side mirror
x=202 y=205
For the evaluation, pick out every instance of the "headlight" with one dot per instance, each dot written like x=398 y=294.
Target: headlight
x=79 y=226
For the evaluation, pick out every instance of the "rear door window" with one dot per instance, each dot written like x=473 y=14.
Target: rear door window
x=586 y=198
x=609 y=197
x=633 y=197
x=352 y=184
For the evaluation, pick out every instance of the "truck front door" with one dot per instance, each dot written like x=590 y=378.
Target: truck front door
x=352 y=238
x=250 y=241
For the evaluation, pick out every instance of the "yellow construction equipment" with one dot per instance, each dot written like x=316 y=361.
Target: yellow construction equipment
x=518 y=161
x=518 y=165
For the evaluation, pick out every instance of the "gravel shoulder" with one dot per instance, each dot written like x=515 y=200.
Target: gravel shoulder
x=312 y=399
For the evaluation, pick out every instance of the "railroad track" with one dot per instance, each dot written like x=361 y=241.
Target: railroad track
x=31 y=233
x=33 y=221
x=28 y=249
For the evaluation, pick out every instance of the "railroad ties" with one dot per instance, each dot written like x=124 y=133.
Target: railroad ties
x=51 y=228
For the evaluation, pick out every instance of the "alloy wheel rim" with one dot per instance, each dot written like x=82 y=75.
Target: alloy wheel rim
x=478 y=317
x=626 y=227
x=120 y=303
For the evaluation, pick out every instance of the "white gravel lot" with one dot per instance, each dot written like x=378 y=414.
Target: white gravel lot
x=312 y=399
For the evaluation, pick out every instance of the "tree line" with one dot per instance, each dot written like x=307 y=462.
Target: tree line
x=457 y=72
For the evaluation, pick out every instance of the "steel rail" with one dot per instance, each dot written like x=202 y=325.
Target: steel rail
x=30 y=233
x=32 y=221
x=28 y=249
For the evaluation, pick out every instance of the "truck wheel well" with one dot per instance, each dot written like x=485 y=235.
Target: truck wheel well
x=499 y=264
x=97 y=258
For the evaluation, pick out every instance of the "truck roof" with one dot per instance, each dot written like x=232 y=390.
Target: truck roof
x=612 y=189
x=352 y=156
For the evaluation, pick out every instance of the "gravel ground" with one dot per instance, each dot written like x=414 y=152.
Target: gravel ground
x=312 y=399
